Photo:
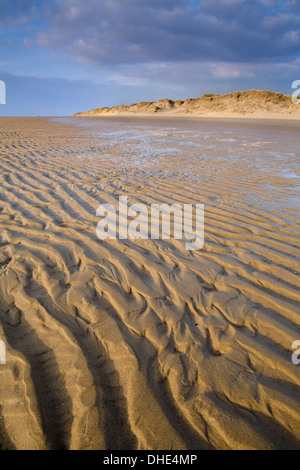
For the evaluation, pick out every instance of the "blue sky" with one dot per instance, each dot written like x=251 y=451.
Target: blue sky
x=58 y=57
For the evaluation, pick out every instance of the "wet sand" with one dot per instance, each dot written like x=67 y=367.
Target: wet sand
x=142 y=344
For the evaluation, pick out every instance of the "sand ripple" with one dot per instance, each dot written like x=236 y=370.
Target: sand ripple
x=142 y=345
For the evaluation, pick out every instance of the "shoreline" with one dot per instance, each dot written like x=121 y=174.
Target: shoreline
x=236 y=120
x=270 y=117
x=244 y=120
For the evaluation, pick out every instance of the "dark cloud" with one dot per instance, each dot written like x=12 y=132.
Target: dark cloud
x=138 y=31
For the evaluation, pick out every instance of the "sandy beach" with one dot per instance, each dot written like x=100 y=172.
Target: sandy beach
x=124 y=344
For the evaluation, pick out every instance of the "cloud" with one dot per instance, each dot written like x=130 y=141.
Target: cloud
x=124 y=51
x=140 y=31
x=228 y=70
x=16 y=12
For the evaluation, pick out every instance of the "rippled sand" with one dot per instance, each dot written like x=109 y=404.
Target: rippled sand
x=144 y=345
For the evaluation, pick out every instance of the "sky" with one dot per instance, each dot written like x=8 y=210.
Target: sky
x=58 y=57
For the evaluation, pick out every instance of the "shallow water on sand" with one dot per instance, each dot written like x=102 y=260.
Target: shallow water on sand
x=203 y=151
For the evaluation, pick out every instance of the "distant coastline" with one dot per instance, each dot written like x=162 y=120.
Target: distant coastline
x=242 y=104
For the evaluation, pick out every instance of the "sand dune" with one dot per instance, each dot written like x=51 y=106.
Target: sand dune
x=242 y=104
x=144 y=345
